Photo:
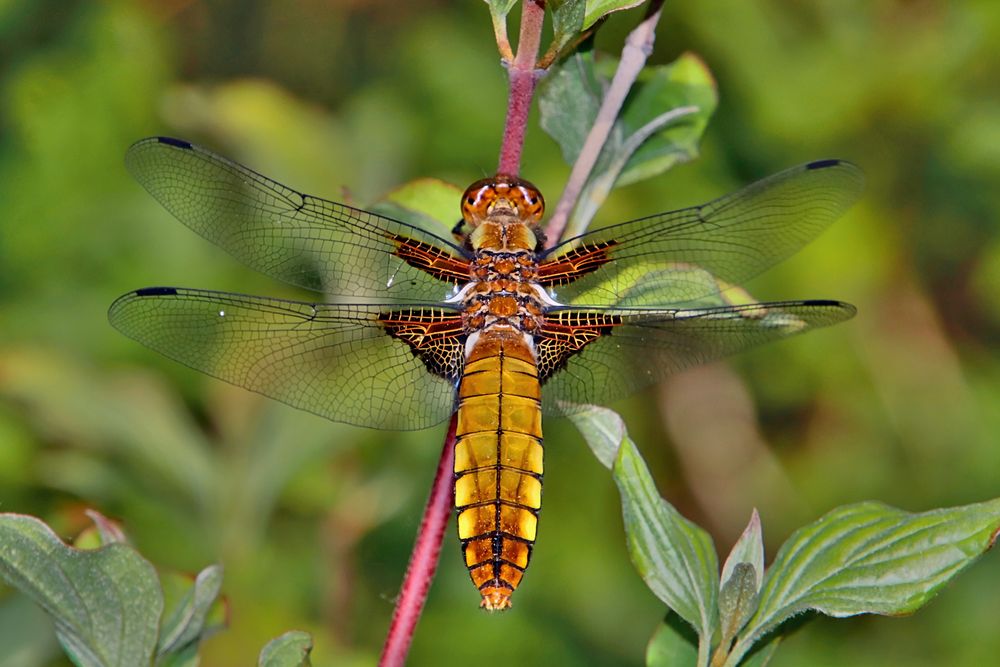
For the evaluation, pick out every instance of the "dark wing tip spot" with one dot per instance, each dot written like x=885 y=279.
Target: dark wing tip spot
x=825 y=302
x=156 y=291
x=847 y=310
x=176 y=143
x=823 y=164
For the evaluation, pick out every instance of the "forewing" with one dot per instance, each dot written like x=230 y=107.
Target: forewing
x=622 y=350
x=303 y=240
x=337 y=361
x=667 y=256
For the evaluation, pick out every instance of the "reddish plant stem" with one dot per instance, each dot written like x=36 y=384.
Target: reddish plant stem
x=424 y=558
x=523 y=75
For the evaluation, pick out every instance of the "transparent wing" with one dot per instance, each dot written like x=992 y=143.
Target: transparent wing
x=733 y=238
x=639 y=347
x=336 y=361
x=303 y=240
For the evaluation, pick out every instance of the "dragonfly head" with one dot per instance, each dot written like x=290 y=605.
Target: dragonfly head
x=502 y=195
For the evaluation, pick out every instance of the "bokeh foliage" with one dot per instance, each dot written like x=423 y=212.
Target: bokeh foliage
x=314 y=521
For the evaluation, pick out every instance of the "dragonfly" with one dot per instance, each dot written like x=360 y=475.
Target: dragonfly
x=485 y=324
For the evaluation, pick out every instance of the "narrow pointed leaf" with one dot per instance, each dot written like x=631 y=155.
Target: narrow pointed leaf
x=105 y=603
x=872 y=558
x=186 y=624
x=291 y=649
x=108 y=531
x=748 y=549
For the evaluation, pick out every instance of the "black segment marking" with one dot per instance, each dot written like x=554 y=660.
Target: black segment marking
x=496 y=582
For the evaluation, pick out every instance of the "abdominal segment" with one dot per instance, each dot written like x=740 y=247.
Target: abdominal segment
x=498 y=463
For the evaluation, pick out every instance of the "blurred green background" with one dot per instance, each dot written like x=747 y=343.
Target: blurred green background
x=348 y=98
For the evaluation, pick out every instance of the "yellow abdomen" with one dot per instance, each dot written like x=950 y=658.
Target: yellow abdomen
x=498 y=462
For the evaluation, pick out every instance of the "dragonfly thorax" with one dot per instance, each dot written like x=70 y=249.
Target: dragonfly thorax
x=504 y=292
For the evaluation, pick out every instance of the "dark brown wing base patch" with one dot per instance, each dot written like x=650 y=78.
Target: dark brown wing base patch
x=574 y=264
x=431 y=259
x=564 y=334
x=436 y=337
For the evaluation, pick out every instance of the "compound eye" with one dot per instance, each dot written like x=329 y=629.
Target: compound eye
x=532 y=203
x=476 y=201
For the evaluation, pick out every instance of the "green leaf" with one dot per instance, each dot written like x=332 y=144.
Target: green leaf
x=872 y=558
x=685 y=82
x=186 y=622
x=429 y=203
x=291 y=649
x=603 y=430
x=672 y=645
x=608 y=170
x=567 y=21
x=598 y=9
x=674 y=556
x=570 y=97
x=659 y=126
x=748 y=549
x=105 y=603
x=568 y=100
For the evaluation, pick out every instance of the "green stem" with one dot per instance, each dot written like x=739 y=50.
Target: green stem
x=704 y=651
